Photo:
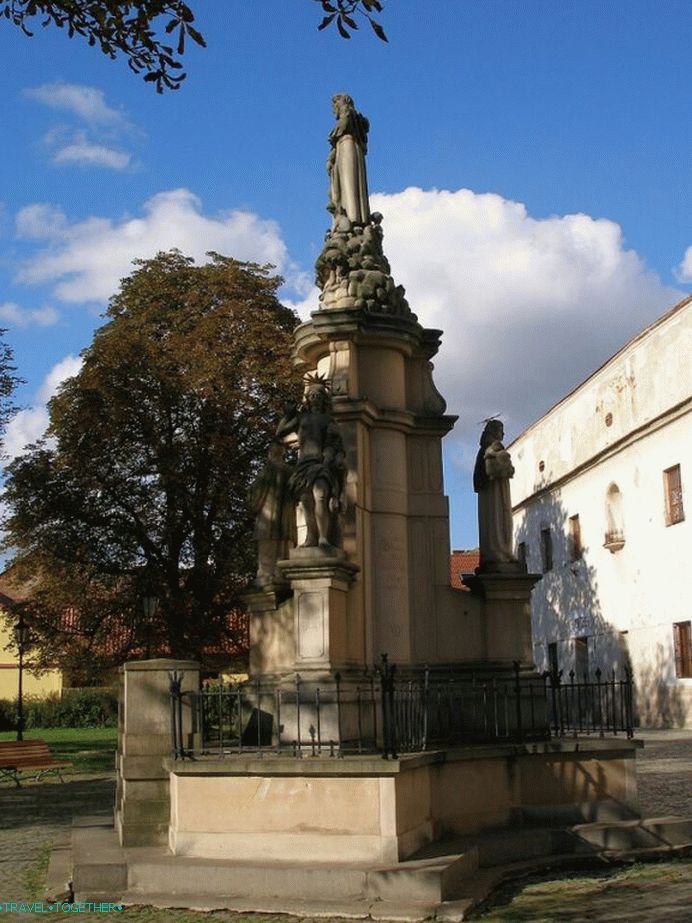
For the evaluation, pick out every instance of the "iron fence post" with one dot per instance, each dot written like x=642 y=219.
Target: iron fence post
x=337 y=680
x=174 y=683
x=517 y=692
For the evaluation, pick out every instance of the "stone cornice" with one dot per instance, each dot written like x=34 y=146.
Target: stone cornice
x=402 y=333
x=640 y=432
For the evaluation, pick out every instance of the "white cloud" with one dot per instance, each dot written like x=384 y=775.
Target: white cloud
x=302 y=286
x=66 y=368
x=23 y=429
x=31 y=423
x=306 y=305
x=684 y=269
x=12 y=313
x=86 y=260
x=87 y=103
x=83 y=153
x=91 y=135
x=40 y=221
x=529 y=307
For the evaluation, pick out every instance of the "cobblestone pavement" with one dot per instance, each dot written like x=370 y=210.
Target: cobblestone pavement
x=664 y=773
x=36 y=816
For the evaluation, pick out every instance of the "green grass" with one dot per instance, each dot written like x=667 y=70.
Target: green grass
x=580 y=897
x=90 y=749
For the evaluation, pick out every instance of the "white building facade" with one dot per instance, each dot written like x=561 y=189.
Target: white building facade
x=602 y=500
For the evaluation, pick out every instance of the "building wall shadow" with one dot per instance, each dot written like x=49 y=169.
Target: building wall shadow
x=577 y=628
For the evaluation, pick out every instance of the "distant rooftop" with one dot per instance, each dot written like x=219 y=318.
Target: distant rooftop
x=462 y=561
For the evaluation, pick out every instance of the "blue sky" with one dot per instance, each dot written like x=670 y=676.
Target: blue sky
x=532 y=161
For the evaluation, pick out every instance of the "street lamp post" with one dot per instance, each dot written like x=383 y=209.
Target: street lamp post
x=150 y=606
x=21 y=639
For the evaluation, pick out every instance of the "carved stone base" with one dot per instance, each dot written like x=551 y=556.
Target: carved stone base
x=320 y=586
x=506 y=614
x=508 y=568
x=310 y=554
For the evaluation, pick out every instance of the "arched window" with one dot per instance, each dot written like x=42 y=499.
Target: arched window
x=615 y=526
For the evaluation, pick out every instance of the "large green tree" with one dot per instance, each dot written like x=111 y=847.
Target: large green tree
x=8 y=382
x=152 y=34
x=140 y=486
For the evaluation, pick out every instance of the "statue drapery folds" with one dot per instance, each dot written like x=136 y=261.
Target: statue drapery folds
x=348 y=184
x=491 y=477
x=315 y=482
x=352 y=270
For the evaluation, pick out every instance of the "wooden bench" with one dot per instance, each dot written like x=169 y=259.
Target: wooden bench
x=31 y=756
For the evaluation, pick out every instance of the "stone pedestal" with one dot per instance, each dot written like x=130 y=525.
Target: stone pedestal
x=369 y=810
x=272 y=642
x=506 y=607
x=396 y=524
x=142 y=801
x=324 y=639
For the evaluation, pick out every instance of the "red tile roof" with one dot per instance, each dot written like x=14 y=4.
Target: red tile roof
x=119 y=639
x=462 y=561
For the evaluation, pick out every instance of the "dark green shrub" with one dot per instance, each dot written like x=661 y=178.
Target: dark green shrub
x=75 y=708
x=8 y=715
x=83 y=708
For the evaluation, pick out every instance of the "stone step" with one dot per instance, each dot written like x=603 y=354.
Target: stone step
x=443 y=880
x=413 y=911
x=162 y=873
x=523 y=844
x=664 y=833
x=422 y=880
x=99 y=864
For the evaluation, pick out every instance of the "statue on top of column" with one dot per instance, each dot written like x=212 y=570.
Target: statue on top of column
x=491 y=477
x=352 y=270
x=348 y=183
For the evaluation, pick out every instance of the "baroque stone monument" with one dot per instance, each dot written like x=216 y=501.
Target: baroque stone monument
x=361 y=519
x=353 y=562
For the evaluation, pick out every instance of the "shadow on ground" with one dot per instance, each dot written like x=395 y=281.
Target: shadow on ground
x=49 y=803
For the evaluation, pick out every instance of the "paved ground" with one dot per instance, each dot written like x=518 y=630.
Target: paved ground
x=664 y=778
x=664 y=773
x=37 y=815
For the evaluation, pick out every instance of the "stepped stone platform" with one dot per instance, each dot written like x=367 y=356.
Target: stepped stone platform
x=444 y=880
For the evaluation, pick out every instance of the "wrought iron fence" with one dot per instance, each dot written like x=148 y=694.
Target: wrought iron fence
x=388 y=711
x=430 y=709
x=263 y=716
x=603 y=705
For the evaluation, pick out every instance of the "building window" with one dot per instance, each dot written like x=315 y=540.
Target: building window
x=546 y=550
x=615 y=531
x=575 y=546
x=553 y=665
x=581 y=658
x=672 y=485
x=682 y=643
x=521 y=553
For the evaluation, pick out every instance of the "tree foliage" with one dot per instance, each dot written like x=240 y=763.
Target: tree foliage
x=8 y=382
x=139 y=30
x=342 y=14
x=140 y=488
x=119 y=27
